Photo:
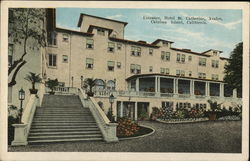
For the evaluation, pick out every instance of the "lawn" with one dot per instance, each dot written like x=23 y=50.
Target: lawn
x=208 y=137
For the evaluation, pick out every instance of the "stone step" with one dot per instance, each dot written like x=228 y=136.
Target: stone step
x=64 y=130
x=62 y=115
x=64 y=136
x=61 y=123
x=65 y=140
x=64 y=133
x=62 y=126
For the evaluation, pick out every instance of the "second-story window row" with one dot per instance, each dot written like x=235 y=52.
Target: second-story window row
x=52 y=38
x=215 y=77
x=135 y=51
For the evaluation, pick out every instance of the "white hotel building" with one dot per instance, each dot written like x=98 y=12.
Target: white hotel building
x=139 y=74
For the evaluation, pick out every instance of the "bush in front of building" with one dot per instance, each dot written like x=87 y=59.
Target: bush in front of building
x=156 y=113
x=13 y=116
x=126 y=127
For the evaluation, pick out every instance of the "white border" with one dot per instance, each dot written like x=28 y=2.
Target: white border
x=4 y=155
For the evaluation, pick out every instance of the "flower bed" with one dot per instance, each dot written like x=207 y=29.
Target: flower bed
x=230 y=118
x=184 y=120
x=143 y=131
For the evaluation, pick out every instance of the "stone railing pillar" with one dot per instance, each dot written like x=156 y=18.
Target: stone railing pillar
x=110 y=135
x=20 y=137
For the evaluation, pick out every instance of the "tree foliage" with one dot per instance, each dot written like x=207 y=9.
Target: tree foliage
x=26 y=29
x=233 y=70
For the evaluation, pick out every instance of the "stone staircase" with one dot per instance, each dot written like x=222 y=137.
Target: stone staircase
x=62 y=118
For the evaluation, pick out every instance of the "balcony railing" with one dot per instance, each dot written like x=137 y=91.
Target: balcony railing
x=121 y=93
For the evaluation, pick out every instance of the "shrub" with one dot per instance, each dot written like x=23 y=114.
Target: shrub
x=179 y=114
x=156 y=113
x=13 y=118
x=196 y=113
x=166 y=113
x=143 y=115
x=126 y=127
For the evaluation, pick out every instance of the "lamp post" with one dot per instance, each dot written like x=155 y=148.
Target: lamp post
x=21 y=98
x=111 y=101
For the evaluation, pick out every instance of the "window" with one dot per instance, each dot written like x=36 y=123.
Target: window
x=202 y=61
x=165 y=56
x=215 y=63
x=111 y=65
x=119 y=46
x=90 y=44
x=135 y=68
x=89 y=63
x=135 y=51
x=150 y=51
x=215 y=77
x=202 y=75
x=52 y=38
x=101 y=32
x=65 y=58
x=111 y=85
x=189 y=58
x=180 y=73
x=183 y=58
x=150 y=69
x=65 y=37
x=111 y=47
x=190 y=73
x=178 y=58
x=164 y=70
x=10 y=54
x=118 y=64
x=52 y=60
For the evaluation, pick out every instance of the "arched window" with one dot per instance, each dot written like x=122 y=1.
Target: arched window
x=99 y=84
x=111 y=85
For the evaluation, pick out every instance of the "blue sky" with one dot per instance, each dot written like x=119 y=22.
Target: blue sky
x=216 y=34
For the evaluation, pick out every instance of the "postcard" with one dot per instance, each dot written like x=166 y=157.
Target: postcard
x=124 y=80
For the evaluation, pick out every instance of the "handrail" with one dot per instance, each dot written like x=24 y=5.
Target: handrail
x=107 y=128
x=29 y=112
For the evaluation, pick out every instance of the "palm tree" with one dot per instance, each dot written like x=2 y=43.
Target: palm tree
x=90 y=82
x=33 y=78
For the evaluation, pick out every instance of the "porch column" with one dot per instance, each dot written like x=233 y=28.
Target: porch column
x=156 y=87
x=221 y=90
x=234 y=93
x=207 y=89
x=192 y=87
x=174 y=84
x=136 y=111
x=159 y=84
x=137 y=84
x=121 y=110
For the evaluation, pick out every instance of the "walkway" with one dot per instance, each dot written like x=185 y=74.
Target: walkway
x=223 y=137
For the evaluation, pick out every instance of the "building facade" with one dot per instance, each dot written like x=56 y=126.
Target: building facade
x=141 y=75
